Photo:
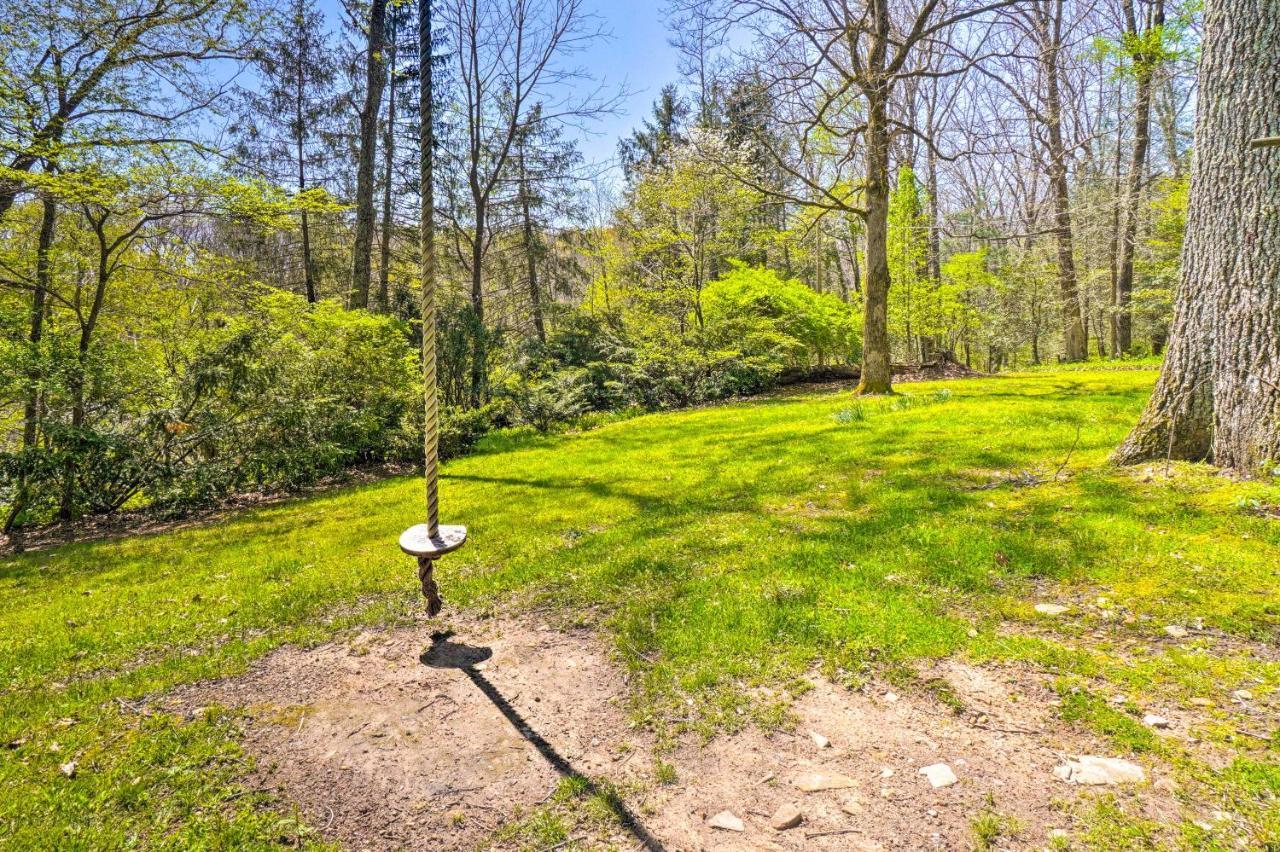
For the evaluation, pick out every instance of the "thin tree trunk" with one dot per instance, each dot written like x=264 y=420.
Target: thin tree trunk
x=67 y=508
x=479 y=358
x=877 y=374
x=43 y=280
x=308 y=270
x=1218 y=395
x=530 y=252
x=1073 y=339
x=1113 y=249
x=1122 y=315
x=388 y=169
x=362 y=253
x=31 y=408
x=877 y=369
x=1168 y=119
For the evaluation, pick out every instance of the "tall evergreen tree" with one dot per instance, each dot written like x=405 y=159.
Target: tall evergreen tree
x=282 y=130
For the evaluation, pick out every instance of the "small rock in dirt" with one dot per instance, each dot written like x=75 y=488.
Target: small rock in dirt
x=1155 y=721
x=1243 y=695
x=726 y=821
x=69 y=769
x=819 y=740
x=1050 y=609
x=766 y=779
x=1202 y=702
x=939 y=775
x=887 y=772
x=890 y=697
x=1089 y=769
x=1177 y=631
x=787 y=816
x=852 y=806
x=973 y=634
x=821 y=779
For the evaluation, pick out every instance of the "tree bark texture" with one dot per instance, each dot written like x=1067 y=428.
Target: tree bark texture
x=362 y=253
x=1218 y=396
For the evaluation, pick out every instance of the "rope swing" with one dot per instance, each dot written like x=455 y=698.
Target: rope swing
x=429 y=541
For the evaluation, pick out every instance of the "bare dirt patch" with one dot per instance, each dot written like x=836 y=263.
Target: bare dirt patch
x=391 y=740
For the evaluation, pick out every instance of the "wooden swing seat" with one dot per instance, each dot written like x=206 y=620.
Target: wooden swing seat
x=415 y=541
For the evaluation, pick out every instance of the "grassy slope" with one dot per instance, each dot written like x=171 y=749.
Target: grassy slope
x=726 y=545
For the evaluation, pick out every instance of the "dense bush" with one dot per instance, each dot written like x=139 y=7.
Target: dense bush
x=271 y=398
x=755 y=326
x=760 y=318
x=270 y=393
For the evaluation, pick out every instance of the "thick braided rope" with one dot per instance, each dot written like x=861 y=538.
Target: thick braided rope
x=426 y=164
x=430 y=590
x=432 y=414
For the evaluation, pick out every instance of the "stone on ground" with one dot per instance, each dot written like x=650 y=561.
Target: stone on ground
x=787 y=816
x=816 y=780
x=1177 y=631
x=726 y=821
x=939 y=775
x=1092 y=770
x=819 y=740
x=1050 y=609
x=1155 y=721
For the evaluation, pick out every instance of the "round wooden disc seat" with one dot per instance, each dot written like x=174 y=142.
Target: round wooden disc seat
x=415 y=541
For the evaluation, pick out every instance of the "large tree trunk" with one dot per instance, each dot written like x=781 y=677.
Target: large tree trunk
x=1144 y=70
x=1218 y=396
x=1240 y=186
x=362 y=253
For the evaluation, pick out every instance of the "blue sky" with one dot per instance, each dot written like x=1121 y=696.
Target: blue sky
x=637 y=54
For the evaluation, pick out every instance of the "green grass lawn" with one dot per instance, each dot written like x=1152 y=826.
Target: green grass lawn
x=718 y=547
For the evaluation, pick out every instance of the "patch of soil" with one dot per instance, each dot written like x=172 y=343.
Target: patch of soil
x=1003 y=747
x=932 y=371
x=391 y=740
x=845 y=377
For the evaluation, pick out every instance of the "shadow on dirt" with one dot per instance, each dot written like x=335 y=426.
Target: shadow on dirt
x=444 y=653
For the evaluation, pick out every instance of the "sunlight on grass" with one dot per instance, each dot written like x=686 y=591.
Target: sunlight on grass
x=719 y=547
